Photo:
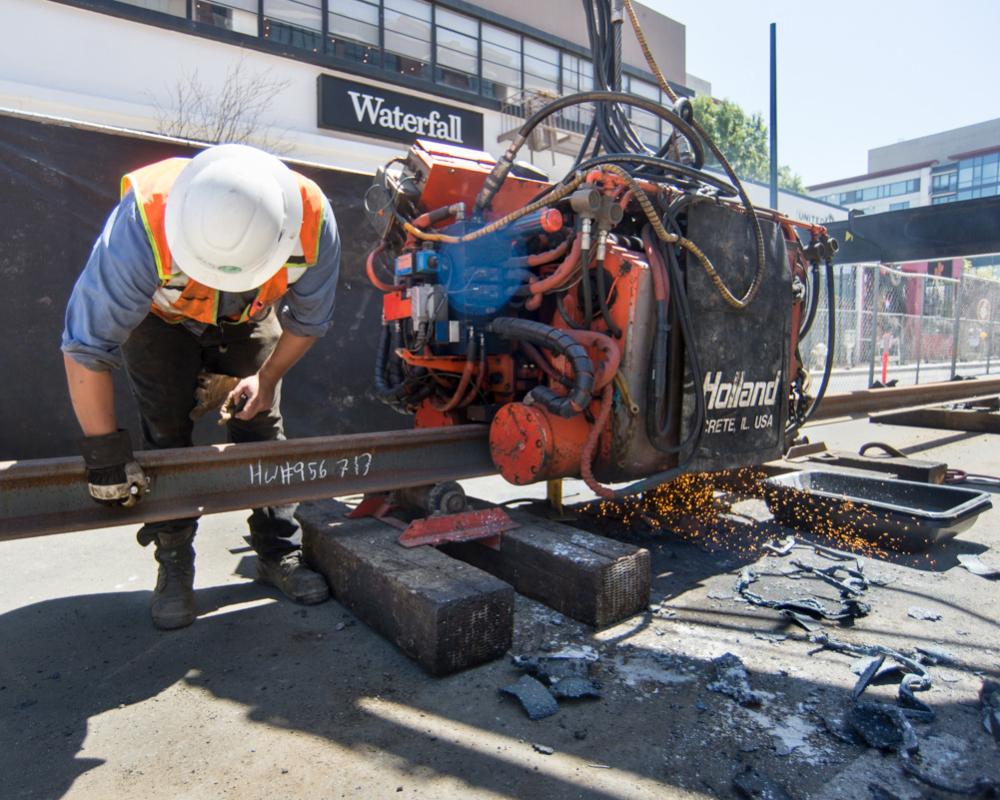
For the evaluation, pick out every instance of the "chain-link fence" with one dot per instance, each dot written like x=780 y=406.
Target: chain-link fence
x=910 y=323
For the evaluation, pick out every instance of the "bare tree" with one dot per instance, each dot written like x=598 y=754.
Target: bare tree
x=236 y=112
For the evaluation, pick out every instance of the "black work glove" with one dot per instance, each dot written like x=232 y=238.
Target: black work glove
x=113 y=476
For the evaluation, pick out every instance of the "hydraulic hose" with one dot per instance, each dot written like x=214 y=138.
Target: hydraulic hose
x=719 y=155
x=831 y=339
x=659 y=432
x=389 y=393
x=807 y=323
x=557 y=278
x=540 y=361
x=590 y=446
x=602 y=302
x=605 y=371
x=538 y=259
x=549 y=338
x=503 y=166
x=379 y=284
x=463 y=382
x=725 y=189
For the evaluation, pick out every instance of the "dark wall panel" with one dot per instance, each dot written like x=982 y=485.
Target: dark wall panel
x=950 y=230
x=57 y=185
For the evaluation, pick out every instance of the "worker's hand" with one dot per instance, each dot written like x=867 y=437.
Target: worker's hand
x=259 y=394
x=113 y=476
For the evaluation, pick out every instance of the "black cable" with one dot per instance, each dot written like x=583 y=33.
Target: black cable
x=550 y=338
x=602 y=303
x=501 y=169
x=585 y=293
x=831 y=339
x=656 y=431
x=561 y=308
x=724 y=188
x=807 y=323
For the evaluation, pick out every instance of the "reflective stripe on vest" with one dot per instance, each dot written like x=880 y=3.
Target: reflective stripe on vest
x=180 y=297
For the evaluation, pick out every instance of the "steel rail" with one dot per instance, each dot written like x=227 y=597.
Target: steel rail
x=898 y=397
x=47 y=496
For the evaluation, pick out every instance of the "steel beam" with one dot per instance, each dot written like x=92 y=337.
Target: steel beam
x=945 y=419
x=870 y=400
x=47 y=496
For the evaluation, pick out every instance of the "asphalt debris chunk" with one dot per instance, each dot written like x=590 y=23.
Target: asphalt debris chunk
x=977 y=567
x=754 y=785
x=732 y=679
x=536 y=700
x=923 y=614
x=989 y=698
x=544 y=749
x=573 y=688
x=883 y=727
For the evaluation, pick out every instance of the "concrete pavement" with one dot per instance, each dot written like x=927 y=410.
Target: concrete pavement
x=264 y=699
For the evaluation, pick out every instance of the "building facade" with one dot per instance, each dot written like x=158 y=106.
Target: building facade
x=346 y=84
x=960 y=164
x=469 y=70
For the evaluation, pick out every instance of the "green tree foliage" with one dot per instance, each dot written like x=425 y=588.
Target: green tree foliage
x=743 y=139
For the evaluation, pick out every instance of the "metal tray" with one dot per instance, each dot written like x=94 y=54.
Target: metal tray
x=904 y=514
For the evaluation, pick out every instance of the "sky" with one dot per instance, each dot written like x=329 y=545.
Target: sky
x=852 y=75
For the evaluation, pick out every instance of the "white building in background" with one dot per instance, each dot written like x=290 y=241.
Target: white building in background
x=358 y=78
x=347 y=83
x=959 y=164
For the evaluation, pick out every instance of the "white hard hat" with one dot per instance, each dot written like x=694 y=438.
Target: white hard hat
x=233 y=217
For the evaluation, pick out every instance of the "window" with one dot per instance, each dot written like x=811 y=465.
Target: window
x=426 y=40
x=577 y=76
x=899 y=206
x=944 y=182
x=978 y=176
x=501 y=62
x=646 y=125
x=407 y=37
x=177 y=8
x=297 y=23
x=541 y=67
x=233 y=15
x=354 y=30
x=457 y=55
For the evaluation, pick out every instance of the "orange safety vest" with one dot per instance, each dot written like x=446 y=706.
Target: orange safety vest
x=180 y=297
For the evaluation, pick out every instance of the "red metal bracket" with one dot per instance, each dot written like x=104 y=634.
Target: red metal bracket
x=484 y=526
x=373 y=505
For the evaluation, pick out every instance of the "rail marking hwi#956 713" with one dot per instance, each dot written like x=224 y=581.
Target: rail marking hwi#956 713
x=290 y=472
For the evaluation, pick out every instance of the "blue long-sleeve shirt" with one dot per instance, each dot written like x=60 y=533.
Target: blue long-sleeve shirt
x=115 y=290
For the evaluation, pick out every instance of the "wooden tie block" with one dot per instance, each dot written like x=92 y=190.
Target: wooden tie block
x=592 y=579
x=445 y=614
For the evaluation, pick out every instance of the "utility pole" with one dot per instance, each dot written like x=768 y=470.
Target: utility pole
x=774 y=117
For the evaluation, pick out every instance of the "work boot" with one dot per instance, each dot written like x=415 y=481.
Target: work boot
x=297 y=581
x=172 y=604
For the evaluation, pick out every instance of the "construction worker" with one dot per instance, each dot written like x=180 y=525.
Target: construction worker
x=226 y=263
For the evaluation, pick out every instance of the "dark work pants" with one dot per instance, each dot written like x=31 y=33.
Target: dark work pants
x=162 y=362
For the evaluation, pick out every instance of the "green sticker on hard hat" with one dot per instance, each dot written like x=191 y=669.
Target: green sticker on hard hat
x=230 y=270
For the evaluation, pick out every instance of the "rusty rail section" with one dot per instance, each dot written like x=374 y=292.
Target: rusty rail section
x=50 y=495
x=871 y=400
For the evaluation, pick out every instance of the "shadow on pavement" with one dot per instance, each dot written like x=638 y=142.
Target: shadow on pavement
x=67 y=660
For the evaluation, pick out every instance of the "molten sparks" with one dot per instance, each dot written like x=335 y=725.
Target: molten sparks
x=699 y=507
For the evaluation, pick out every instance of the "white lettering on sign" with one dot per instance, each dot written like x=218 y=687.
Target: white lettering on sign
x=374 y=109
x=739 y=393
x=290 y=472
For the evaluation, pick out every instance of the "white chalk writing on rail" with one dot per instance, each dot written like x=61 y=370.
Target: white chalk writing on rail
x=290 y=472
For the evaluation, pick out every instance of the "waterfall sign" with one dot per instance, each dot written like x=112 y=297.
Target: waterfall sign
x=374 y=111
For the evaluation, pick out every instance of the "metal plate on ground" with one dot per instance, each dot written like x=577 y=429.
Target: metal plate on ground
x=912 y=515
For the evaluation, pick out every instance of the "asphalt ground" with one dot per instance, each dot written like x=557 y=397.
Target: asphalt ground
x=262 y=699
